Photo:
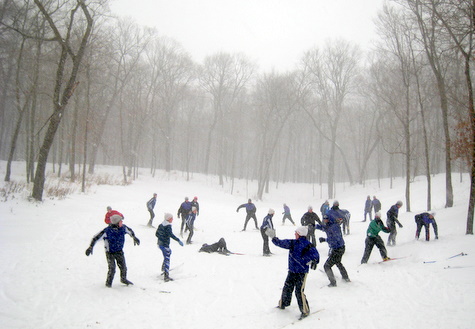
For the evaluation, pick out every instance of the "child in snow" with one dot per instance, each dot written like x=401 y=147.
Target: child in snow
x=391 y=221
x=301 y=253
x=190 y=222
x=219 y=246
x=331 y=226
x=368 y=206
x=373 y=238
x=266 y=231
x=309 y=219
x=425 y=219
x=164 y=233
x=114 y=238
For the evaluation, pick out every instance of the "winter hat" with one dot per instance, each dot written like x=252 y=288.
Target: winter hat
x=377 y=214
x=302 y=230
x=115 y=219
x=399 y=203
x=271 y=211
x=310 y=208
x=109 y=208
x=168 y=216
x=336 y=203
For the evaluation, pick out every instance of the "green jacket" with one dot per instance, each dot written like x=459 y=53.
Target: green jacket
x=375 y=226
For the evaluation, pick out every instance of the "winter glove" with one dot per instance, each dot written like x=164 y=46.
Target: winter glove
x=270 y=233
x=88 y=251
x=136 y=242
x=322 y=240
x=400 y=225
x=180 y=243
x=313 y=265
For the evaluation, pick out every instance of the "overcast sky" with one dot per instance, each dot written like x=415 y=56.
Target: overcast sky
x=273 y=33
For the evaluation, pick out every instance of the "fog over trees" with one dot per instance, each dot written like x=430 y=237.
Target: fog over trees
x=79 y=88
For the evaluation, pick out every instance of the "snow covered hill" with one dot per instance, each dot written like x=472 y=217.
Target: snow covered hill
x=48 y=282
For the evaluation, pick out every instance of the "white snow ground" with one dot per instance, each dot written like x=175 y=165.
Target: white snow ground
x=48 y=282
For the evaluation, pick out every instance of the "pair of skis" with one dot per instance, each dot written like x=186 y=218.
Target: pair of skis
x=457 y=255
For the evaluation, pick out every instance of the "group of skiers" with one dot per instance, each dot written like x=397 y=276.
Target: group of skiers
x=302 y=250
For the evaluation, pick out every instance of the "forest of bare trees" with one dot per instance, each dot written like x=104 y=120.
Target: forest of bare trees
x=80 y=88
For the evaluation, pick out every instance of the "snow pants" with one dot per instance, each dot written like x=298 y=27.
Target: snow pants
x=166 y=251
x=113 y=258
x=392 y=234
x=295 y=281
x=152 y=216
x=190 y=227
x=248 y=217
x=369 y=244
x=335 y=259
x=265 y=238
x=289 y=217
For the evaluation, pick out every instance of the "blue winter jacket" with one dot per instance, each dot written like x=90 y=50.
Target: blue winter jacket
x=164 y=233
x=267 y=222
x=114 y=237
x=301 y=253
x=151 y=203
x=250 y=207
x=332 y=228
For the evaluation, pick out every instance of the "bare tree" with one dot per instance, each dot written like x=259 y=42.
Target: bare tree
x=332 y=72
x=63 y=90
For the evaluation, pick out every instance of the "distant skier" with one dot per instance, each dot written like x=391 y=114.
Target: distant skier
x=376 y=204
x=301 y=254
x=183 y=212
x=331 y=226
x=368 y=206
x=391 y=222
x=373 y=238
x=287 y=215
x=114 y=238
x=196 y=204
x=424 y=220
x=324 y=208
x=310 y=219
x=219 y=247
x=266 y=231
x=109 y=213
x=164 y=233
x=190 y=224
x=150 y=206
x=250 y=212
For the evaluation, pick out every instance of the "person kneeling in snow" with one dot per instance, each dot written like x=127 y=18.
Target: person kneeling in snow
x=219 y=246
x=301 y=253
x=373 y=238
x=114 y=238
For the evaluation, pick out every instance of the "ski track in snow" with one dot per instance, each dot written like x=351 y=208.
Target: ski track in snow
x=48 y=282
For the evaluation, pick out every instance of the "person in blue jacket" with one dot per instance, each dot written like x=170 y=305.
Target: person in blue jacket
x=425 y=219
x=368 y=207
x=287 y=215
x=267 y=224
x=250 y=212
x=114 y=239
x=190 y=224
x=331 y=226
x=183 y=212
x=164 y=233
x=150 y=206
x=391 y=222
x=301 y=253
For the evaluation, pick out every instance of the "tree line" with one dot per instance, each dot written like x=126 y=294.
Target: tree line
x=81 y=88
